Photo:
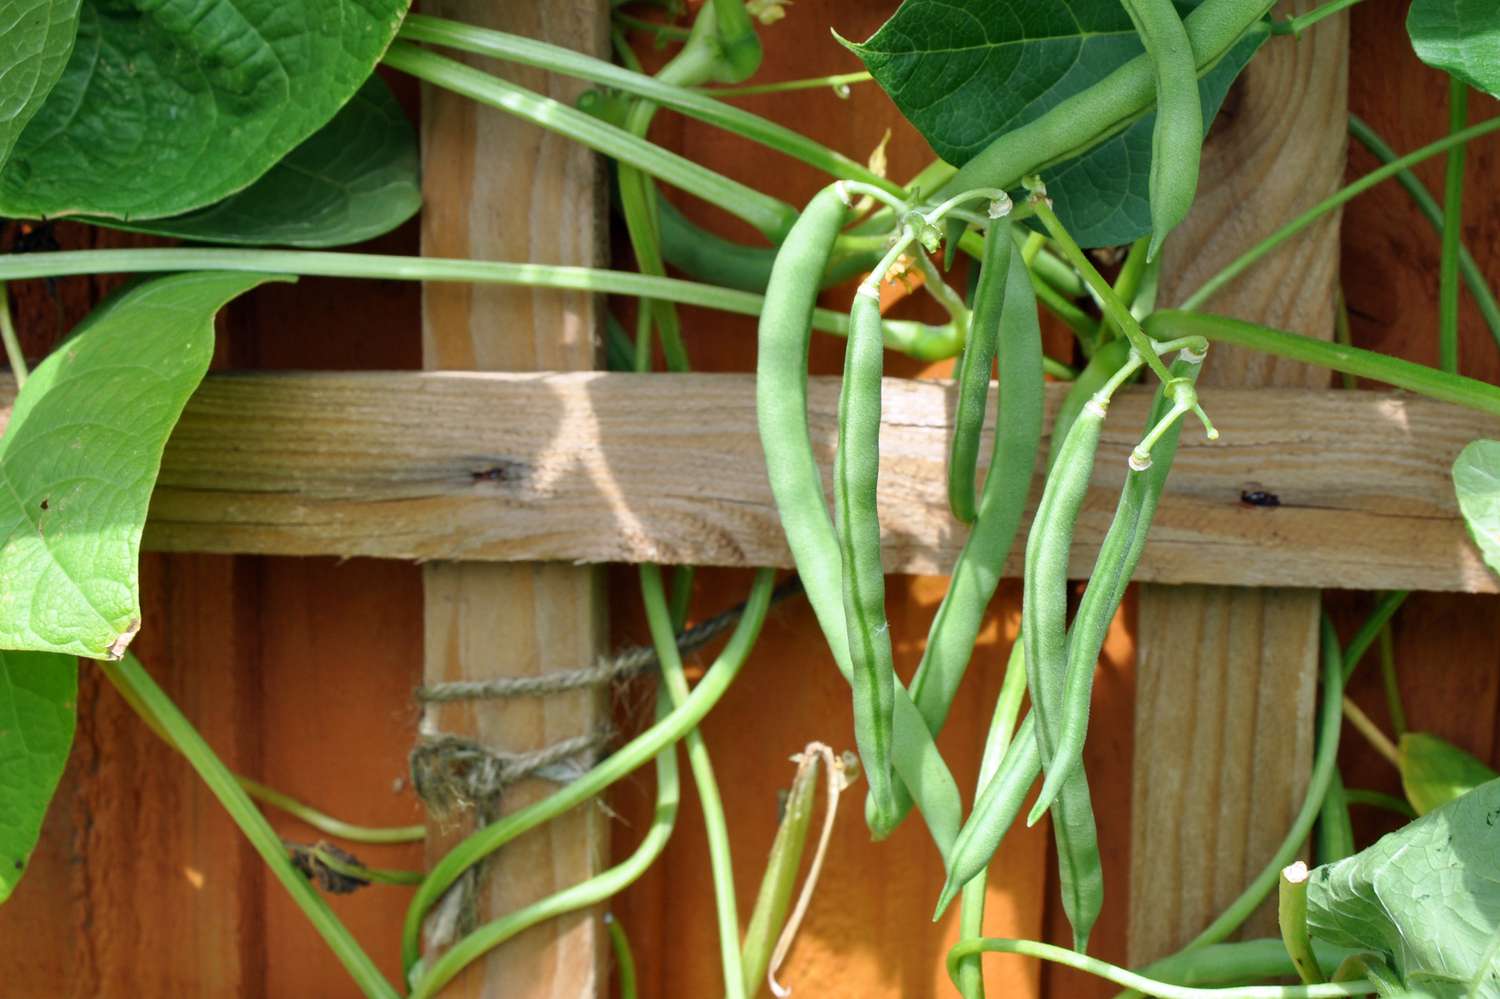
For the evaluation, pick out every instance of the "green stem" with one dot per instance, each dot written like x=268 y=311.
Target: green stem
x=328 y=824
x=674 y=32
x=374 y=875
x=1355 y=651
x=1473 y=277
x=1342 y=335
x=128 y=675
x=695 y=104
x=1131 y=980
x=12 y=342
x=1390 y=681
x=1365 y=726
x=1294 y=26
x=928 y=343
x=716 y=829
x=619 y=943
x=1453 y=217
x=1379 y=799
x=1253 y=255
x=772 y=217
x=1237 y=963
x=1114 y=309
x=1291 y=914
x=633 y=754
x=580 y=896
x=1418 y=378
x=835 y=82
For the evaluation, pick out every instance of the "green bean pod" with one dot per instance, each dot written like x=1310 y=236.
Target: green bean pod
x=1018 y=434
x=974 y=367
x=856 y=476
x=775 y=898
x=797 y=485
x=1177 y=136
x=1044 y=610
x=1101 y=367
x=1119 y=554
x=995 y=810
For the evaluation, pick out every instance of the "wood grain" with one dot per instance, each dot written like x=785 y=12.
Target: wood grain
x=496 y=188
x=625 y=468
x=1231 y=672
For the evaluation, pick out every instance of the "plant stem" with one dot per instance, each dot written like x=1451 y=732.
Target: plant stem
x=1418 y=378
x=930 y=343
x=694 y=103
x=1294 y=26
x=619 y=943
x=676 y=724
x=1131 y=980
x=1291 y=914
x=1253 y=255
x=1355 y=651
x=1390 y=681
x=1342 y=335
x=675 y=32
x=373 y=875
x=580 y=896
x=328 y=824
x=772 y=217
x=1365 y=726
x=1115 y=310
x=12 y=342
x=128 y=675
x=1473 y=277
x=1453 y=193
x=1379 y=799
x=715 y=828
x=834 y=82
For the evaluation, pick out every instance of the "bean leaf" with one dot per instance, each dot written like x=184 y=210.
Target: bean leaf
x=165 y=108
x=80 y=456
x=36 y=37
x=38 y=693
x=1434 y=771
x=356 y=178
x=964 y=74
x=1461 y=37
x=1427 y=897
x=1476 y=482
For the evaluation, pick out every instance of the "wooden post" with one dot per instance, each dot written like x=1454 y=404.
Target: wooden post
x=498 y=189
x=1226 y=676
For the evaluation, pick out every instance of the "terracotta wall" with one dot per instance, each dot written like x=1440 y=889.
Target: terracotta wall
x=300 y=671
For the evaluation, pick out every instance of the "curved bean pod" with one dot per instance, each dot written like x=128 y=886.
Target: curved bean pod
x=1101 y=367
x=974 y=372
x=1118 y=556
x=856 y=477
x=1177 y=136
x=781 y=408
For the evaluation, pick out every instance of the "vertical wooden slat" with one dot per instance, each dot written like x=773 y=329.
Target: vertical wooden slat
x=500 y=190
x=1226 y=676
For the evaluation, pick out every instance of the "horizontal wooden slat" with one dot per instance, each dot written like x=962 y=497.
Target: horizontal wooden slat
x=594 y=467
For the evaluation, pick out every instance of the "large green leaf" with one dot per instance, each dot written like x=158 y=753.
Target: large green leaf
x=1434 y=771
x=165 y=108
x=36 y=37
x=38 y=693
x=1427 y=897
x=1476 y=483
x=1461 y=37
x=356 y=178
x=965 y=74
x=81 y=454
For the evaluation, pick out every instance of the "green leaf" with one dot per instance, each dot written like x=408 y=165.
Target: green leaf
x=356 y=178
x=1427 y=897
x=38 y=694
x=1476 y=483
x=966 y=74
x=81 y=454
x=36 y=37
x=1434 y=771
x=1461 y=37
x=165 y=108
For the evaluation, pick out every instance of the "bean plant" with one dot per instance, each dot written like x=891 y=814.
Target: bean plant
x=260 y=136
